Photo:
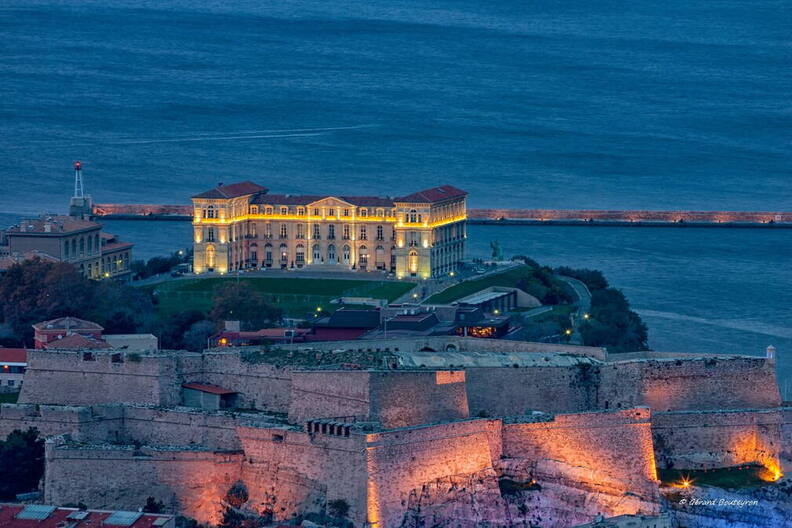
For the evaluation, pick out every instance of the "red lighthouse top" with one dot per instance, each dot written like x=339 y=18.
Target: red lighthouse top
x=77 y=165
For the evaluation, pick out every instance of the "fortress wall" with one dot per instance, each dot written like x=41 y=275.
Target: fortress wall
x=696 y=383
x=502 y=391
x=84 y=424
x=401 y=462
x=786 y=433
x=72 y=378
x=329 y=394
x=713 y=439
x=107 y=477
x=185 y=427
x=261 y=386
x=409 y=398
x=449 y=343
x=616 y=445
x=290 y=471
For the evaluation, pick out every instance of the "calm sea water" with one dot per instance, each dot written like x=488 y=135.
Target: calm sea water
x=640 y=104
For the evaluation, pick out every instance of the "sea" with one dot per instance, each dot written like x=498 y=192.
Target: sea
x=532 y=104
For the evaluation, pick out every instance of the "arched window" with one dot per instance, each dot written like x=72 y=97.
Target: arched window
x=331 y=254
x=284 y=252
x=346 y=254
x=413 y=216
x=363 y=257
x=412 y=262
x=254 y=254
x=317 y=255
x=82 y=246
x=300 y=254
x=210 y=212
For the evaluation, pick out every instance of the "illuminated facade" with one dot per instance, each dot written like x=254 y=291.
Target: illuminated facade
x=242 y=226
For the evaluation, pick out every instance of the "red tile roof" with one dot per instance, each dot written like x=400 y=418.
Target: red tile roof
x=60 y=518
x=211 y=389
x=435 y=194
x=233 y=190
x=13 y=355
x=286 y=199
x=76 y=342
x=68 y=323
x=368 y=201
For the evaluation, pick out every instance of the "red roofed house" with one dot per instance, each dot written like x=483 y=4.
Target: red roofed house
x=54 y=331
x=42 y=516
x=210 y=397
x=242 y=226
x=13 y=362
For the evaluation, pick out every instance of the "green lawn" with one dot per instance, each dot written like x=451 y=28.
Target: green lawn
x=509 y=278
x=294 y=295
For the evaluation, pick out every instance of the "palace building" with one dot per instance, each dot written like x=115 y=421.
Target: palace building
x=242 y=226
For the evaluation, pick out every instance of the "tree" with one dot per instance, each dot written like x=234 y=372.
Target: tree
x=238 y=302
x=338 y=508
x=195 y=337
x=153 y=506
x=21 y=463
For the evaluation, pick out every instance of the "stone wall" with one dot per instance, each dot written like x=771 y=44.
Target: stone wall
x=261 y=386
x=507 y=391
x=688 y=384
x=116 y=477
x=85 y=424
x=95 y=377
x=329 y=394
x=715 y=439
x=289 y=472
x=616 y=446
x=400 y=462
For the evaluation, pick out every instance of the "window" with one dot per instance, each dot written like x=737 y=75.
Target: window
x=363 y=257
x=346 y=232
x=283 y=231
x=331 y=232
x=380 y=212
x=331 y=255
x=268 y=210
x=363 y=212
x=284 y=210
x=345 y=212
x=253 y=209
x=66 y=250
x=412 y=262
x=82 y=246
x=300 y=230
x=346 y=254
x=300 y=211
x=316 y=233
x=210 y=234
x=317 y=255
x=284 y=253
x=268 y=253
x=267 y=230
x=210 y=212
x=331 y=212
x=300 y=254
x=210 y=256
x=316 y=212
x=363 y=233
x=380 y=233
x=413 y=216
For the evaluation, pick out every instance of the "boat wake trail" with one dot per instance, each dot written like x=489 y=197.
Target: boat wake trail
x=734 y=324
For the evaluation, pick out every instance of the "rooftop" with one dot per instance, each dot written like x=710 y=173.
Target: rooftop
x=205 y=387
x=435 y=194
x=78 y=342
x=52 y=225
x=68 y=323
x=41 y=516
x=13 y=355
x=233 y=190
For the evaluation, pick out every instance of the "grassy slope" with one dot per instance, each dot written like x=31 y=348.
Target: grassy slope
x=508 y=278
x=295 y=295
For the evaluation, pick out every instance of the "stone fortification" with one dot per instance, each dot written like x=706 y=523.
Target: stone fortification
x=457 y=432
x=715 y=438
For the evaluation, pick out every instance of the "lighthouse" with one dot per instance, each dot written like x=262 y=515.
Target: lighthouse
x=80 y=205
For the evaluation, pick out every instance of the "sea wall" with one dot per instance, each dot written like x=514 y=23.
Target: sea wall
x=714 y=439
x=84 y=424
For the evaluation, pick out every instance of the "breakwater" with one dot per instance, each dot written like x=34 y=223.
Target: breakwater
x=591 y=217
